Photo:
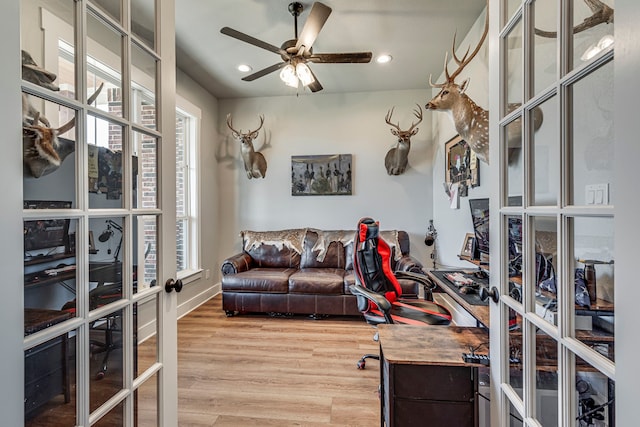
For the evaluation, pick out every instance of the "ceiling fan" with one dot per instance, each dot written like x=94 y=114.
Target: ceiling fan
x=297 y=52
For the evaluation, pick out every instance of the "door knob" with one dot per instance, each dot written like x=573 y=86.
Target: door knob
x=486 y=293
x=171 y=285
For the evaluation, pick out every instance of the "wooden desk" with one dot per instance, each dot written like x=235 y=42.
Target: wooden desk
x=479 y=312
x=423 y=376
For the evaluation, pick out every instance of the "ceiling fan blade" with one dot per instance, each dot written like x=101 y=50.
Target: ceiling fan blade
x=264 y=72
x=252 y=40
x=314 y=23
x=338 y=58
x=314 y=86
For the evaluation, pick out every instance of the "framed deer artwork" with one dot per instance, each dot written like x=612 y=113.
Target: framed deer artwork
x=321 y=175
x=462 y=167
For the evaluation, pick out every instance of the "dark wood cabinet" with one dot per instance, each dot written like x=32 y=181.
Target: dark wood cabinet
x=46 y=370
x=424 y=381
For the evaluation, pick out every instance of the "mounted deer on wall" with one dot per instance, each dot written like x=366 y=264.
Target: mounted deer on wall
x=254 y=163
x=397 y=158
x=43 y=151
x=471 y=121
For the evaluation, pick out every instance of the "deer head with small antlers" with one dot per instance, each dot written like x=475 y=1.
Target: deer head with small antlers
x=254 y=163
x=397 y=158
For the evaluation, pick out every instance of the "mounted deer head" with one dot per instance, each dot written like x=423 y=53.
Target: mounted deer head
x=470 y=120
x=254 y=163
x=397 y=158
x=43 y=151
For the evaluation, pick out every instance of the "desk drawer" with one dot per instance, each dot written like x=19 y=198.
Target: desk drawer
x=440 y=383
x=433 y=413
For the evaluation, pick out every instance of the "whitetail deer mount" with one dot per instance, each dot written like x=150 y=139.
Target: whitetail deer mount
x=396 y=159
x=472 y=121
x=254 y=162
x=43 y=151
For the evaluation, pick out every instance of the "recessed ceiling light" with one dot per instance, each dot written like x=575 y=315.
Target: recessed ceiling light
x=244 y=68
x=383 y=59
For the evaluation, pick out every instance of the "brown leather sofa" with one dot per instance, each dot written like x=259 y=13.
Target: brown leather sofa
x=303 y=271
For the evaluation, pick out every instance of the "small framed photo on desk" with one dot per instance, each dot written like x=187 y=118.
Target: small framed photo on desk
x=468 y=245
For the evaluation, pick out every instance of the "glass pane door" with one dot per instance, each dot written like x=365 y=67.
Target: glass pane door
x=560 y=328
x=91 y=214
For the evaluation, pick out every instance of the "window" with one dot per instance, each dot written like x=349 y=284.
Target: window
x=187 y=137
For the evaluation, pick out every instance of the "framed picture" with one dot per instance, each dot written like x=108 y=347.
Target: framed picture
x=462 y=167
x=321 y=175
x=467 y=245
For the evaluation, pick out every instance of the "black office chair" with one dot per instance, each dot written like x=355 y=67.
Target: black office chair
x=108 y=276
x=378 y=291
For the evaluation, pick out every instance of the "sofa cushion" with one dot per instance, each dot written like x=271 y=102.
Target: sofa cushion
x=274 y=248
x=317 y=281
x=260 y=279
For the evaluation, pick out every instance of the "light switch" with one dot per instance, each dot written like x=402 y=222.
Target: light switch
x=599 y=199
x=596 y=194
x=590 y=195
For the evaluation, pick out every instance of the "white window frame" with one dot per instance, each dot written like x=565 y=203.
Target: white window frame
x=194 y=118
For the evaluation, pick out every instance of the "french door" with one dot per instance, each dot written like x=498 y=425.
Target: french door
x=553 y=333
x=98 y=213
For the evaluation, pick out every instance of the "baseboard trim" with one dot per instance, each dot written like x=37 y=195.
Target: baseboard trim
x=188 y=306
x=149 y=329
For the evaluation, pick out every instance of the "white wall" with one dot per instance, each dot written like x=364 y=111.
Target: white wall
x=325 y=124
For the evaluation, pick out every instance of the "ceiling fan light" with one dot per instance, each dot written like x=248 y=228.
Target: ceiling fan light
x=288 y=76
x=304 y=74
x=384 y=59
x=591 y=51
x=606 y=41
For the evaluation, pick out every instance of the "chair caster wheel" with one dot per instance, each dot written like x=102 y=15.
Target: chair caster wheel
x=361 y=364
x=100 y=375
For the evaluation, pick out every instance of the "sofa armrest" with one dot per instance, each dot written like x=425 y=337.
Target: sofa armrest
x=236 y=264
x=409 y=263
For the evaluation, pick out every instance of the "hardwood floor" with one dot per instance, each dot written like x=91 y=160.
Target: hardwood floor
x=248 y=370
x=256 y=370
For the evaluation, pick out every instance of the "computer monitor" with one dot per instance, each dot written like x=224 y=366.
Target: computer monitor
x=480 y=218
x=46 y=234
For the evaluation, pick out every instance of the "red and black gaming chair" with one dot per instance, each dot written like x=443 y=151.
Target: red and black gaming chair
x=378 y=291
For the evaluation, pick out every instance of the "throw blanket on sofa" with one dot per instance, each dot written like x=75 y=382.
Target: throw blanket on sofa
x=292 y=239
x=326 y=237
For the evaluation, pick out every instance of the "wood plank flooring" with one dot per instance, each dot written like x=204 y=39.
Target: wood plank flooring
x=256 y=370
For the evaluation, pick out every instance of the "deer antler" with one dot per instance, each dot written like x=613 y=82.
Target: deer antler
x=418 y=114
x=387 y=119
x=230 y=125
x=466 y=59
x=238 y=133
x=255 y=132
x=601 y=14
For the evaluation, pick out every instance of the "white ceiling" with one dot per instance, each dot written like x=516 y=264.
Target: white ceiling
x=417 y=33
